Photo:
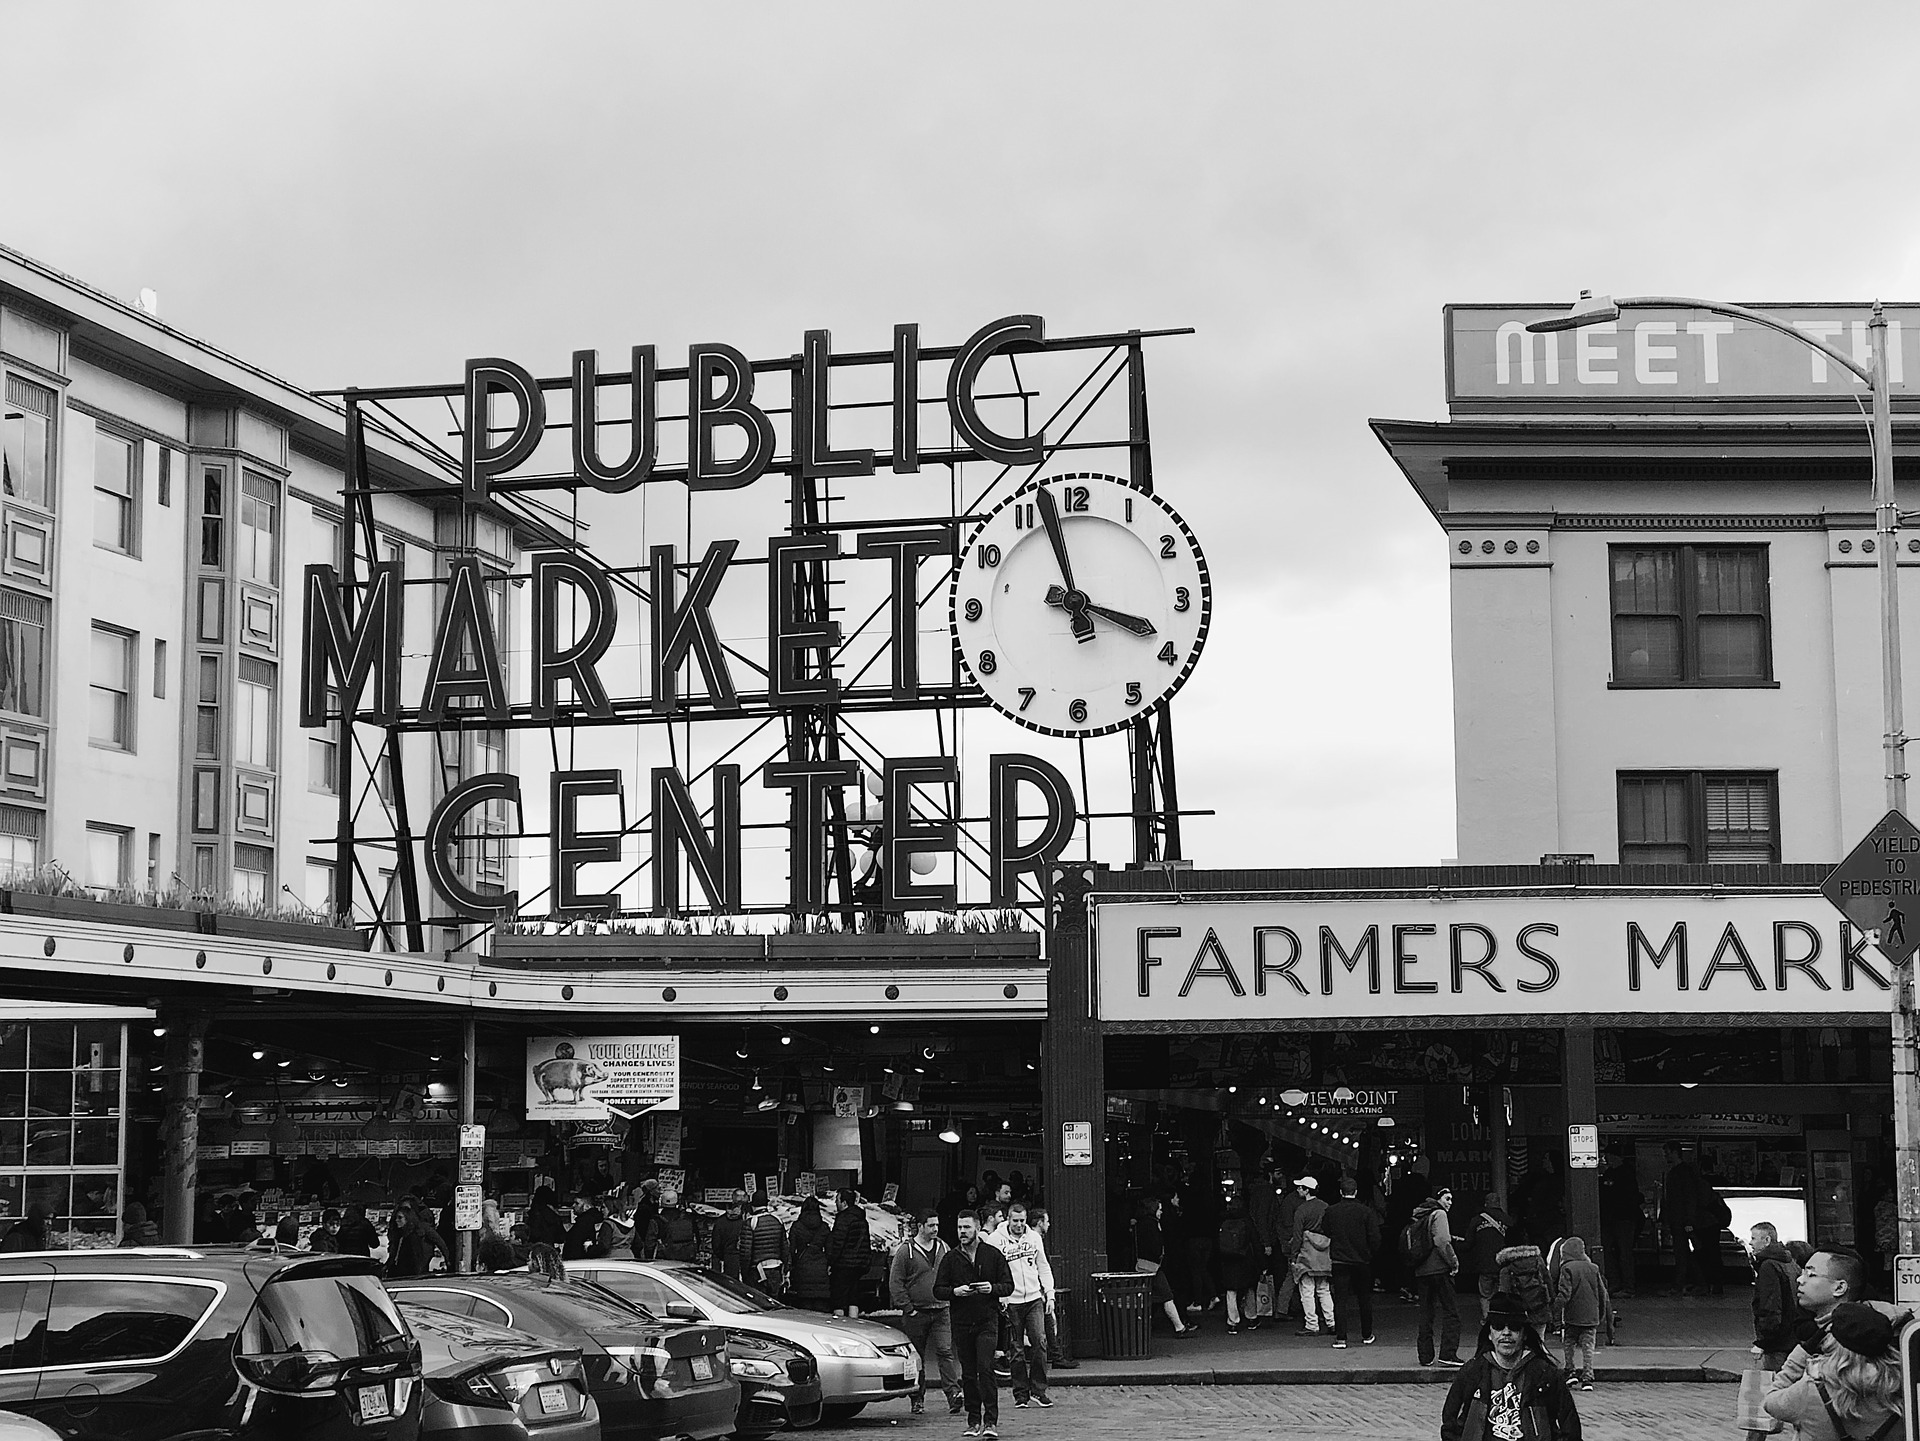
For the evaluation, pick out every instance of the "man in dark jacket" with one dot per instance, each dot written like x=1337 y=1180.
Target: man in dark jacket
x=726 y=1236
x=1680 y=1218
x=357 y=1236
x=1776 y=1312
x=1620 y=1216
x=1434 y=1278
x=924 y=1317
x=671 y=1235
x=972 y=1278
x=1511 y=1383
x=1483 y=1252
x=1354 y=1228
x=848 y=1254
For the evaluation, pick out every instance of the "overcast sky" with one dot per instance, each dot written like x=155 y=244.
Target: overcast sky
x=367 y=194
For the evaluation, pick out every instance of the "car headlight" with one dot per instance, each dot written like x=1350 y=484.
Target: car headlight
x=754 y=1368
x=849 y=1346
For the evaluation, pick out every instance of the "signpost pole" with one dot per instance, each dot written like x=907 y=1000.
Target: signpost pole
x=1886 y=522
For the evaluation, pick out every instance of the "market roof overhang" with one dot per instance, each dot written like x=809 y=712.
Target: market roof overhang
x=1430 y=453
x=54 y=958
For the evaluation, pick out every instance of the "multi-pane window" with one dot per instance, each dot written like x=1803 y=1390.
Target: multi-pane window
x=1699 y=817
x=110 y=714
x=213 y=510
x=259 y=557
x=114 y=461
x=107 y=859
x=252 y=873
x=323 y=753
x=1690 y=615
x=20 y=832
x=23 y=653
x=253 y=697
x=26 y=441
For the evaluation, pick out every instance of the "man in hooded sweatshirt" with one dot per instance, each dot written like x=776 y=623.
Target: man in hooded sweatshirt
x=1311 y=1250
x=1434 y=1277
x=1483 y=1251
x=1510 y=1389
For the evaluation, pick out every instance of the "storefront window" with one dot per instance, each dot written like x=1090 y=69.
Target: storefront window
x=62 y=1094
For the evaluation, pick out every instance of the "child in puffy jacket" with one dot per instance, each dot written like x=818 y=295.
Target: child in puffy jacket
x=1524 y=1273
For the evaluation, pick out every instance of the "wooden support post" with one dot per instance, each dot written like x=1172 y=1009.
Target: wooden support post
x=1583 y=1109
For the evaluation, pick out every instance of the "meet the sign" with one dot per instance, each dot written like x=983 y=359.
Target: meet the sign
x=1472 y=956
x=1663 y=356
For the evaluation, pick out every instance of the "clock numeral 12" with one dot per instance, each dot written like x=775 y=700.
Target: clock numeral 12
x=1076 y=497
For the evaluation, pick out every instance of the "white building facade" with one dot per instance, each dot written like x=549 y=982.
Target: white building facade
x=161 y=501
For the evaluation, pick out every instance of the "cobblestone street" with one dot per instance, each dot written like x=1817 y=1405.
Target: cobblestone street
x=1664 y=1410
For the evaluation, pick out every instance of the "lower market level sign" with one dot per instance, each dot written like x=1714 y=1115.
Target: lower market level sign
x=1877 y=886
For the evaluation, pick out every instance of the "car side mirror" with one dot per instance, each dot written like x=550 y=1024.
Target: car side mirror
x=680 y=1311
x=292 y=1373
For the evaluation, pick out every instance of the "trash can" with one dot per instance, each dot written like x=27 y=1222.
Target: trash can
x=1121 y=1298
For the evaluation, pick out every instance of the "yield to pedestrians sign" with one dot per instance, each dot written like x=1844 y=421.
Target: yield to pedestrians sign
x=1877 y=886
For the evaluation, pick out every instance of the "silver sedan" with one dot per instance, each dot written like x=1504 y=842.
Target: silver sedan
x=860 y=1361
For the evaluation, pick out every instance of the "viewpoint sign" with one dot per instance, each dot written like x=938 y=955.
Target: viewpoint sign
x=1877 y=887
x=1427 y=957
x=1651 y=359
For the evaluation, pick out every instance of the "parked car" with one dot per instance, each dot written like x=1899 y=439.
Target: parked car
x=236 y=1342
x=489 y=1383
x=860 y=1361
x=651 y=1378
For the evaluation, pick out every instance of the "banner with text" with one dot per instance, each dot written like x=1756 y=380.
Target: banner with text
x=1416 y=957
x=586 y=1078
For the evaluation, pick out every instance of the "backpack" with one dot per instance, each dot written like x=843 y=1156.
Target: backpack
x=1717 y=1211
x=1236 y=1236
x=1416 y=1240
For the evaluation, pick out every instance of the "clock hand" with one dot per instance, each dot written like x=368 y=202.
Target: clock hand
x=1139 y=625
x=1074 y=600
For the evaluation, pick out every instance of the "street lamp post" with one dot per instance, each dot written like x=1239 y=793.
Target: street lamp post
x=1589 y=310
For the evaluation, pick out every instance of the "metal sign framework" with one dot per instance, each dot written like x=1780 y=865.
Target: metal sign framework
x=812 y=734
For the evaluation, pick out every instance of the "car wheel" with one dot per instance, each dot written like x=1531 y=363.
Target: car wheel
x=840 y=1411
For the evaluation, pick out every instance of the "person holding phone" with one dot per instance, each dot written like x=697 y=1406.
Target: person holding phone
x=973 y=1276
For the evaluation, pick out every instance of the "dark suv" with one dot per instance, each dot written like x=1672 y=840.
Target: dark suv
x=214 y=1343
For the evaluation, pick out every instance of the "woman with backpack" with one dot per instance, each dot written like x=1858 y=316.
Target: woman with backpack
x=1854 y=1391
x=1241 y=1261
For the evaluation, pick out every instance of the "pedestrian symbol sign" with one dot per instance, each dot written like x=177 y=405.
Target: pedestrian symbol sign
x=1877 y=887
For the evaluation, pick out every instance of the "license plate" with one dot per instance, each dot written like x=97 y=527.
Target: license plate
x=554 y=1400
x=913 y=1367
x=703 y=1368
x=373 y=1403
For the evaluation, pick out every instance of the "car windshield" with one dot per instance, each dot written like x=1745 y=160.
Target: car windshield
x=346 y=1316
x=724 y=1292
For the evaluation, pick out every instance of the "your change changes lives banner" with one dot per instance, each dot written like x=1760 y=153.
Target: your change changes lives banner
x=1424 y=957
x=586 y=1078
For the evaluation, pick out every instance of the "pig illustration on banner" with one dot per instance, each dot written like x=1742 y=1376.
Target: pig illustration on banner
x=564 y=1078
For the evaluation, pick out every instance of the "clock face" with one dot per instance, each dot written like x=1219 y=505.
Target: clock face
x=1079 y=603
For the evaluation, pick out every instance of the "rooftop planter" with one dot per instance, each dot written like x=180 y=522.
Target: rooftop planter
x=52 y=893
x=600 y=952
x=827 y=947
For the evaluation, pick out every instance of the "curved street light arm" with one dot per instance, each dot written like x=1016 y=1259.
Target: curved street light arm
x=1756 y=317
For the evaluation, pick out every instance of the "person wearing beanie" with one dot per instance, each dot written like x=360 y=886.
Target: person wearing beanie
x=1511 y=1388
x=1852 y=1392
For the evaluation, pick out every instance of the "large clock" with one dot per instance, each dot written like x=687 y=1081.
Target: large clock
x=1080 y=603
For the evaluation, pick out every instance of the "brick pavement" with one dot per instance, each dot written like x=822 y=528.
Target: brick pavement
x=1660 y=1338
x=1631 y=1411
